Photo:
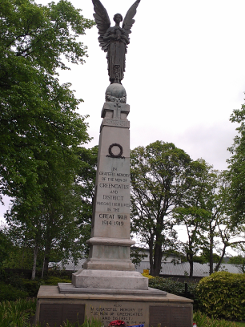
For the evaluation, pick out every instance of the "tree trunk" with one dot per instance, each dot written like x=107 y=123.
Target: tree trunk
x=43 y=267
x=221 y=258
x=211 y=255
x=150 y=243
x=46 y=262
x=190 y=260
x=33 y=274
x=157 y=265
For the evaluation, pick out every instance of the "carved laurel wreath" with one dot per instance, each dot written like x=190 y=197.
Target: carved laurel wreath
x=111 y=154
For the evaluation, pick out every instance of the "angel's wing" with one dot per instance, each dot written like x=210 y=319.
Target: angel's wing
x=128 y=20
x=102 y=21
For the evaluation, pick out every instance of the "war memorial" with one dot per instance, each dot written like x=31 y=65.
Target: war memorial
x=108 y=287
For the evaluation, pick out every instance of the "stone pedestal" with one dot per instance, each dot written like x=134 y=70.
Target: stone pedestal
x=137 y=307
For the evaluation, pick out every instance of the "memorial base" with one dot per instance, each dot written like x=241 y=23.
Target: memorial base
x=109 y=279
x=149 y=307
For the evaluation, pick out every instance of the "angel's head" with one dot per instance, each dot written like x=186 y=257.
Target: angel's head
x=118 y=18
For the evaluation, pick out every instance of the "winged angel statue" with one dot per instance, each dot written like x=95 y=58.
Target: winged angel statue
x=114 y=40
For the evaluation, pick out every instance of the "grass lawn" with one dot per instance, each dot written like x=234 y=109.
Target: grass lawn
x=240 y=324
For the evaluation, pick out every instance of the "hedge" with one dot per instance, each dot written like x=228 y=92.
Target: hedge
x=222 y=295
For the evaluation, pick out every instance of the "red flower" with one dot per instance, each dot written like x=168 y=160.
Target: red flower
x=117 y=323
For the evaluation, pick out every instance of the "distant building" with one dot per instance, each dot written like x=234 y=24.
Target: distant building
x=171 y=266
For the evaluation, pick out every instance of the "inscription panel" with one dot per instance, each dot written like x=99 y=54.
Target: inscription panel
x=170 y=316
x=180 y=316
x=113 y=191
x=112 y=206
x=51 y=313
x=130 y=313
x=55 y=314
x=116 y=122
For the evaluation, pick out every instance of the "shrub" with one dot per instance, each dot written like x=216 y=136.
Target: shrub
x=10 y=293
x=17 y=313
x=171 y=286
x=204 y=321
x=20 y=313
x=31 y=286
x=222 y=295
x=55 y=280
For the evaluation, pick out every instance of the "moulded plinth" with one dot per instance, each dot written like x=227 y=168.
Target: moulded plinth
x=109 y=279
x=149 y=307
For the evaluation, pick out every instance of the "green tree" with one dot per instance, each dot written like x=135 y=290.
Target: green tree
x=203 y=211
x=236 y=169
x=85 y=182
x=37 y=114
x=5 y=246
x=62 y=221
x=157 y=173
x=239 y=261
x=40 y=128
x=193 y=211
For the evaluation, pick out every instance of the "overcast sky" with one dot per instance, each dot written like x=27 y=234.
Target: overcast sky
x=185 y=73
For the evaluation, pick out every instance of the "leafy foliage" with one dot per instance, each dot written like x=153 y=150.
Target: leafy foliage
x=222 y=295
x=85 y=188
x=17 y=313
x=5 y=247
x=203 y=320
x=11 y=293
x=37 y=114
x=40 y=128
x=156 y=176
x=238 y=261
x=202 y=210
x=237 y=168
x=21 y=312
x=171 y=286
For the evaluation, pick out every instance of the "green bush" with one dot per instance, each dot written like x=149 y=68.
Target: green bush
x=53 y=280
x=222 y=295
x=15 y=287
x=31 y=286
x=17 y=313
x=21 y=313
x=10 y=293
x=171 y=286
x=204 y=321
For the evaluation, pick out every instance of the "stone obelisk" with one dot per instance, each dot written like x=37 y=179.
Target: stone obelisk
x=109 y=264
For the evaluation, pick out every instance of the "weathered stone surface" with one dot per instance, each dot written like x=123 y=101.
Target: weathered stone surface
x=109 y=279
x=170 y=316
x=58 y=313
x=110 y=236
x=133 y=307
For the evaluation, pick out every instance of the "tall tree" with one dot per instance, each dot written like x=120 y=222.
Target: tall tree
x=40 y=128
x=62 y=221
x=198 y=210
x=157 y=173
x=5 y=246
x=236 y=168
x=85 y=186
x=204 y=210
x=37 y=114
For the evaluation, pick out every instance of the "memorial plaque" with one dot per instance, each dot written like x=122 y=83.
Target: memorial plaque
x=55 y=314
x=181 y=316
x=130 y=313
x=74 y=313
x=170 y=316
x=50 y=313
x=159 y=315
